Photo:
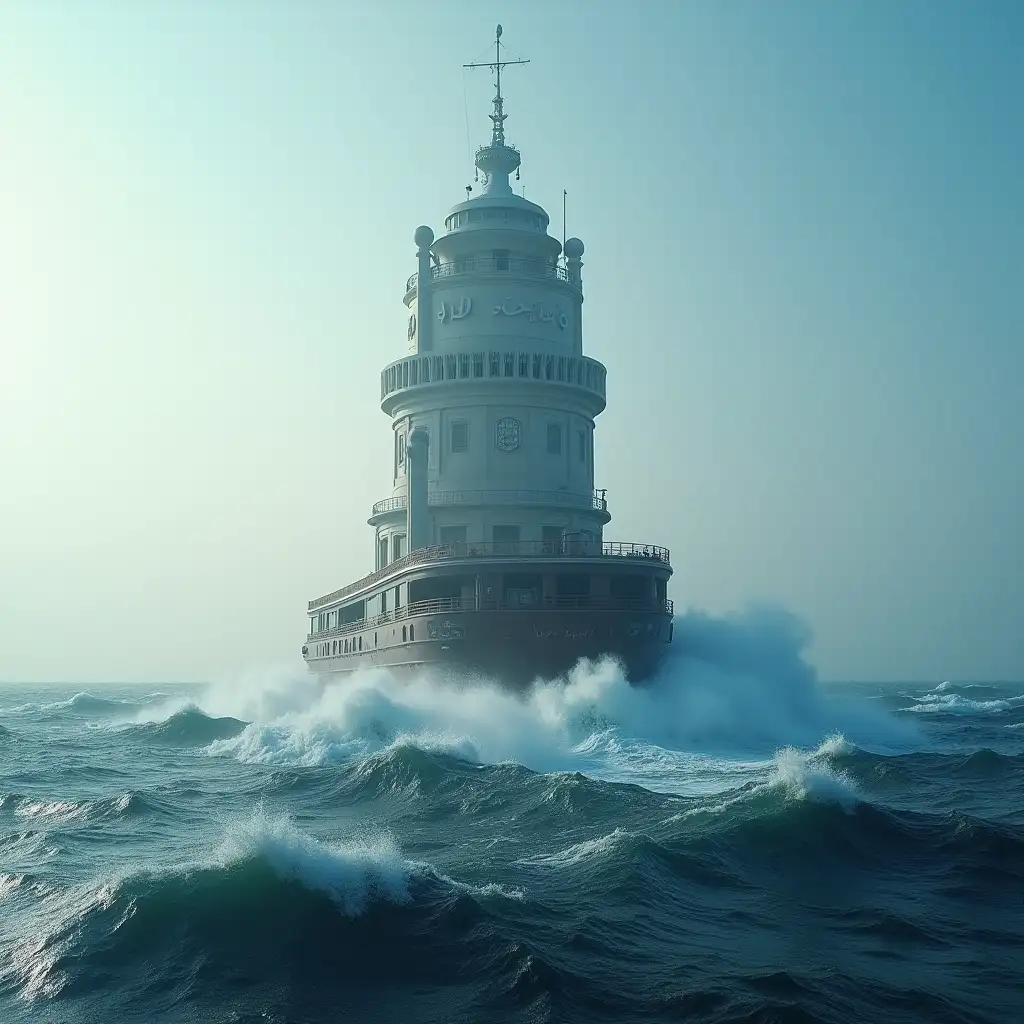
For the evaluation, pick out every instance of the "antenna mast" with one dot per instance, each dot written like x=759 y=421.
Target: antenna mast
x=498 y=117
x=564 y=194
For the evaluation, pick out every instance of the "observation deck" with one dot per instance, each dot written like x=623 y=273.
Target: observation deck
x=485 y=367
x=595 y=501
x=575 y=550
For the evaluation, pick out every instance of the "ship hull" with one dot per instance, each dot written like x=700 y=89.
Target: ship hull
x=513 y=648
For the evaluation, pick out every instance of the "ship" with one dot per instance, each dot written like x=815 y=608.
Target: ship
x=490 y=556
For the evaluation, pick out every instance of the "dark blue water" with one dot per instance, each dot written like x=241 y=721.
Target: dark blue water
x=736 y=843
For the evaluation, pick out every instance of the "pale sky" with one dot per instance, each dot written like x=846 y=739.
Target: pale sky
x=804 y=270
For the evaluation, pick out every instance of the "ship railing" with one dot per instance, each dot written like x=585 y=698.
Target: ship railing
x=570 y=546
x=435 y=606
x=444 y=605
x=597 y=500
x=495 y=265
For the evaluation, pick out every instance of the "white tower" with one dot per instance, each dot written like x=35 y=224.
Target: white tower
x=495 y=384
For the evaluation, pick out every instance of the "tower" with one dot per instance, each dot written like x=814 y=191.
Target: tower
x=495 y=384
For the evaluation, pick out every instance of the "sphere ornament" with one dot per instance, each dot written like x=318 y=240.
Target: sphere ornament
x=573 y=249
x=423 y=236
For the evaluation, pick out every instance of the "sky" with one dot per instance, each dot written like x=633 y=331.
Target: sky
x=804 y=271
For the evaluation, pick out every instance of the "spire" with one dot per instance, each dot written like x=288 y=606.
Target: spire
x=498 y=160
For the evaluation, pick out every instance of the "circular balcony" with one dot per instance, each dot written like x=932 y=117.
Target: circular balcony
x=596 y=501
x=546 y=368
x=536 y=269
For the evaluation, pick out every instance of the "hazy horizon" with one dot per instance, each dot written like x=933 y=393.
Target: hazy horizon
x=804 y=270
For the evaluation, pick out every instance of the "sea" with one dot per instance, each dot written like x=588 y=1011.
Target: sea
x=735 y=841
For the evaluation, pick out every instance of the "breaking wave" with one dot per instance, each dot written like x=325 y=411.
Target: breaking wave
x=737 y=684
x=267 y=895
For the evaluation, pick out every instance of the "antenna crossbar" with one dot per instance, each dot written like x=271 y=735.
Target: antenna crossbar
x=496 y=65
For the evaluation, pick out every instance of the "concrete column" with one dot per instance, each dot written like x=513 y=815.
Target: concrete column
x=417 y=515
x=424 y=238
x=574 y=266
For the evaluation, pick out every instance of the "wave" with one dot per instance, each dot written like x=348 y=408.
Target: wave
x=64 y=812
x=188 y=727
x=85 y=703
x=267 y=902
x=10 y=882
x=957 y=704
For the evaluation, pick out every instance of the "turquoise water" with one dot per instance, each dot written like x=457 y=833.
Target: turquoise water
x=735 y=843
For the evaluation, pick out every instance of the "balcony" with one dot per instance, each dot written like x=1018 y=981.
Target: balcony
x=501 y=265
x=443 y=605
x=587 y=377
x=512 y=551
x=595 y=501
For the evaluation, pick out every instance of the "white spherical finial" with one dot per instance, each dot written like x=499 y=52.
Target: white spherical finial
x=423 y=236
x=573 y=249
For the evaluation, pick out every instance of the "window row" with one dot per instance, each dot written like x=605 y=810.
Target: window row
x=508 y=215
x=501 y=534
x=354 y=644
x=551 y=536
x=458 y=441
x=581 y=371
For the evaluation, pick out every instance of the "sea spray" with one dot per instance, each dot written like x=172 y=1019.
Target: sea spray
x=733 y=686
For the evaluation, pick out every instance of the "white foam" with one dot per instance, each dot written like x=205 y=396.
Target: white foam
x=735 y=689
x=800 y=778
x=8 y=883
x=955 y=704
x=794 y=774
x=53 y=811
x=352 y=873
x=585 y=850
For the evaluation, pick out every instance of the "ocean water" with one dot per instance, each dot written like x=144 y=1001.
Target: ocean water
x=735 y=842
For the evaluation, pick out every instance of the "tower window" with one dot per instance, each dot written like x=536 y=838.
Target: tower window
x=554 y=439
x=552 y=539
x=501 y=259
x=460 y=437
x=505 y=538
x=452 y=535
